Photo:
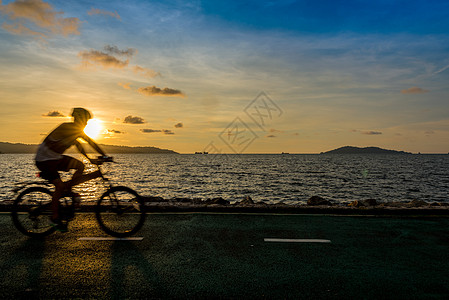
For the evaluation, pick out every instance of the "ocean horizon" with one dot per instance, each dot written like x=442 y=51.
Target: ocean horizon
x=268 y=178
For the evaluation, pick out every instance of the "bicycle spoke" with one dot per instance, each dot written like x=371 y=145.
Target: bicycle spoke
x=31 y=212
x=119 y=212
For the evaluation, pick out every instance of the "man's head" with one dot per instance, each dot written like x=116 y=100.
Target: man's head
x=81 y=115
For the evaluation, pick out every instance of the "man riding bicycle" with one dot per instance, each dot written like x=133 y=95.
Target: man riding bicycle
x=50 y=159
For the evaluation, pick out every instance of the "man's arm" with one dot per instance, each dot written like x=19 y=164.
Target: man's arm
x=93 y=145
x=81 y=149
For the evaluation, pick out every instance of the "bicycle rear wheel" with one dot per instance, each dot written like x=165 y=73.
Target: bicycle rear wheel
x=120 y=211
x=31 y=212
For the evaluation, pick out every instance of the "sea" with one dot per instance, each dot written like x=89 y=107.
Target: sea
x=268 y=178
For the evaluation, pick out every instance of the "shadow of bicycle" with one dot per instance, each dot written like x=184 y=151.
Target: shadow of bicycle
x=132 y=275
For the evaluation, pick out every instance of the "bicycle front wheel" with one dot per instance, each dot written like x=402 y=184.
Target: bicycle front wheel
x=31 y=212
x=120 y=211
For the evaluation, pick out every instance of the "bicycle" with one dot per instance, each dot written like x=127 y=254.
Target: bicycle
x=120 y=211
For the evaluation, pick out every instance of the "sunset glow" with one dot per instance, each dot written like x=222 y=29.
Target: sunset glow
x=94 y=128
x=177 y=74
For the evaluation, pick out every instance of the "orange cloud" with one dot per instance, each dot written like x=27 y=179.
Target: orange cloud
x=125 y=85
x=133 y=120
x=145 y=72
x=29 y=16
x=54 y=113
x=164 y=131
x=155 y=91
x=371 y=132
x=94 y=58
x=112 y=57
x=114 y=50
x=150 y=130
x=96 y=11
x=414 y=90
x=20 y=29
x=275 y=130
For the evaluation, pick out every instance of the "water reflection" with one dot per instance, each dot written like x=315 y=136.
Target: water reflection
x=269 y=178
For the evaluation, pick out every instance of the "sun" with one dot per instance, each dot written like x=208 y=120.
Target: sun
x=93 y=128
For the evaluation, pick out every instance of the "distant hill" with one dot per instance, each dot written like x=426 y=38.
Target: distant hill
x=27 y=148
x=366 y=150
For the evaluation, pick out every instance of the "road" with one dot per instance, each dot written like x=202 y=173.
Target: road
x=225 y=255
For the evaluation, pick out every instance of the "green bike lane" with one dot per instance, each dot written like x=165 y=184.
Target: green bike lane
x=201 y=255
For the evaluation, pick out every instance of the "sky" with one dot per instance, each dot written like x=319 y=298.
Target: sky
x=229 y=76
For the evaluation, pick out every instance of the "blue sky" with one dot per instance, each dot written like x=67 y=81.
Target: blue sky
x=361 y=73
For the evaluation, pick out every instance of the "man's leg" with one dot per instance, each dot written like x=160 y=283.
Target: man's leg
x=59 y=189
x=78 y=177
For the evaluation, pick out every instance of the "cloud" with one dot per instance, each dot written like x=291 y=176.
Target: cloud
x=133 y=120
x=126 y=85
x=20 y=29
x=54 y=113
x=96 y=11
x=441 y=70
x=179 y=125
x=275 y=130
x=114 y=50
x=150 y=130
x=414 y=90
x=145 y=72
x=112 y=57
x=113 y=131
x=155 y=91
x=166 y=131
x=371 y=132
x=92 y=58
x=35 y=17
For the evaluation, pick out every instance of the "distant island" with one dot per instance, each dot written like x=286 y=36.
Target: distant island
x=31 y=148
x=366 y=150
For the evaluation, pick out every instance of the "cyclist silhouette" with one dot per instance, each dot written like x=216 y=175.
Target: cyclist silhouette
x=50 y=159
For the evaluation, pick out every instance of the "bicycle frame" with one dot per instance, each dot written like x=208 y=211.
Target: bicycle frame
x=64 y=203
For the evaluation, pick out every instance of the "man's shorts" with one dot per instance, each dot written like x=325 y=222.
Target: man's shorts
x=49 y=168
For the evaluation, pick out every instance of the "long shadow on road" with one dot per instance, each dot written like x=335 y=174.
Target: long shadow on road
x=21 y=271
x=132 y=276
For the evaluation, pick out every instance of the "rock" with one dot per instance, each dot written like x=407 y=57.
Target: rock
x=354 y=203
x=317 y=200
x=247 y=201
x=197 y=201
x=219 y=201
x=393 y=204
x=153 y=199
x=182 y=200
x=417 y=203
x=370 y=202
x=363 y=203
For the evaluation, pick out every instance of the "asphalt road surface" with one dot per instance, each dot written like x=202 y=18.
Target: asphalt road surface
x=233 y=256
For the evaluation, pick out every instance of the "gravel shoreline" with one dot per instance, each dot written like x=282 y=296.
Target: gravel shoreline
x=315 y=205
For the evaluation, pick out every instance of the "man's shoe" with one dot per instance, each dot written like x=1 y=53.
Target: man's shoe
x=58 y=225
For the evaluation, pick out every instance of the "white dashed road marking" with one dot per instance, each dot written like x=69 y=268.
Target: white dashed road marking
x=93 y=238
x=296 y=240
